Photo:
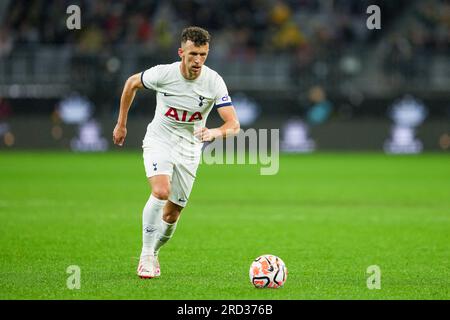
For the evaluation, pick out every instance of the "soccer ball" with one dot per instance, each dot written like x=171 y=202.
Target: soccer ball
x=268 y=271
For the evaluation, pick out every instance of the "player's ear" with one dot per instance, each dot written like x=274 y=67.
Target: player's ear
x=180 y=52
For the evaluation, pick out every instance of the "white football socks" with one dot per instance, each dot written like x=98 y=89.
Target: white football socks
x=151 y=220
x=165 y=232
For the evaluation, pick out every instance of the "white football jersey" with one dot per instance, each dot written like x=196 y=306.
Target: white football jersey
x=182 y=105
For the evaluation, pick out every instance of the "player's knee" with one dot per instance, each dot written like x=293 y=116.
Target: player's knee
x=161 y=193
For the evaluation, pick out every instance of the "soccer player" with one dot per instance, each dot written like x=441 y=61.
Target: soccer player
x=186 y=92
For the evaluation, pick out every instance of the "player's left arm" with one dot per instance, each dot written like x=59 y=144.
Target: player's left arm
x=230 y=126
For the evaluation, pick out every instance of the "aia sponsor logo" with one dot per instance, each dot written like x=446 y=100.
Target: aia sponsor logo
x=184 y=116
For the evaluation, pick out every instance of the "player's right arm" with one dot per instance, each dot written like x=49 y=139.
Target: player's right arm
x=132 y=84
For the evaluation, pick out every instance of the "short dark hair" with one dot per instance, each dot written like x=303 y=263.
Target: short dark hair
x=197 y=35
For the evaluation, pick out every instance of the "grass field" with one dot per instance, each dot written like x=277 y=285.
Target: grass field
x=328 y=216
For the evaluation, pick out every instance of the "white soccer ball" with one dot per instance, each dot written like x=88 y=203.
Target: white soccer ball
x=268 y=271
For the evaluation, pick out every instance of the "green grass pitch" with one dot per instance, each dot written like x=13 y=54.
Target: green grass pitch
x=328 y=216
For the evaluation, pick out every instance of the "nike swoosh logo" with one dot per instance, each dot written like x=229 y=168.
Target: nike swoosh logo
x=181 y=200
x=167 y=95
x=150 y=229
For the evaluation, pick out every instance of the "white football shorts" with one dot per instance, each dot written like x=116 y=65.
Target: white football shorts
x=161 y=159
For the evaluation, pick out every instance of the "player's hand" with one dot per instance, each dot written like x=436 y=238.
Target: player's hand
x=205 y=134
x=119 y=134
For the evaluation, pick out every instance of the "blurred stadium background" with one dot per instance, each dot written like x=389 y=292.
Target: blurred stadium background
x=309 y=67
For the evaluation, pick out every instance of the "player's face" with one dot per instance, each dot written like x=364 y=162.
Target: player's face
x=192 y=58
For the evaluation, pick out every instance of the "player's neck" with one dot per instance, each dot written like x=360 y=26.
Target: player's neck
x=185 y=72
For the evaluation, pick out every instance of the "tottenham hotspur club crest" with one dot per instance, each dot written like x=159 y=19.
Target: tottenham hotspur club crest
x=200 y=104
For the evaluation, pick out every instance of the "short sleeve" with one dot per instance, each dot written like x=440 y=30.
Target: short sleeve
x=149 y=78
x=222 y=97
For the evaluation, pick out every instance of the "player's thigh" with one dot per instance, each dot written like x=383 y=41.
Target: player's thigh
x=183 y=179
x=158 y=169
x=157 y=160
